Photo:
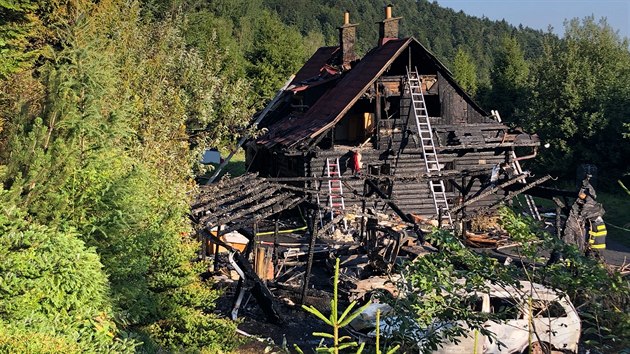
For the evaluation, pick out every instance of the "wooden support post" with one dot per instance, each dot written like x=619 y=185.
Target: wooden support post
x=377 y=115
x=259 y=266
x=202 y=241
x=363 y=206
x=464 y=192
x=275 y=243
x=216 y=250
x=255 y=240
x=555 y=253
x=204 y=249
x=311 y=251
x=559 y=206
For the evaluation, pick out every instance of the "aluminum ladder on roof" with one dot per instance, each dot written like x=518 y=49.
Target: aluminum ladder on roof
x=531 y=204
x=335 y=191
x=425 y=135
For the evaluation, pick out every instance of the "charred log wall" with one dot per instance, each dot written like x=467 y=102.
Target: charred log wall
x=411 y=195
x=456 y=109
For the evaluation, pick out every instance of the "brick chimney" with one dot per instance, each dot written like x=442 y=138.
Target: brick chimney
x=388 y=28
x=347 y=40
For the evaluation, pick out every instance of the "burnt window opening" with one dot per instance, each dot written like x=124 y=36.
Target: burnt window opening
x=434 y=107
x=505 y=308
x=552 y=309
x=357 y=126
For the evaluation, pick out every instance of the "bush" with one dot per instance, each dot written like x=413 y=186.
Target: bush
x=53 y=293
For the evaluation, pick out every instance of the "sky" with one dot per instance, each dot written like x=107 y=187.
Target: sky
x=539 y=14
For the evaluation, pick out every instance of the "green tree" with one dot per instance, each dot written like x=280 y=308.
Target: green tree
x=510 y=80
x=465 y=71
x=18 y=26
x=106 y=151
x=580 y=98
x=55 y=295
x=279 y=52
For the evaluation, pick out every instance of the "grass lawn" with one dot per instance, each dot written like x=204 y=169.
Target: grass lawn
x=236 y=166
x=617 y=205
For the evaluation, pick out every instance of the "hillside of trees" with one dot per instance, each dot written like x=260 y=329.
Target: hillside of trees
x=106 y=105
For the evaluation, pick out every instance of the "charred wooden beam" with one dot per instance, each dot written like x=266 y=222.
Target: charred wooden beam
x=399 y=176
x=264 y=297
x=309 y=264
x=219 y=191
x=224 y=218
x=521 y=190
x=260 y=215
x=355 y=196
x=512 y=195
x=235 y=200
x=243 y=199
x=492 y=190
x=487 y=146
x=550 y=193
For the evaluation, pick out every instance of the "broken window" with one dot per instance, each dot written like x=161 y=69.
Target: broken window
x=357 y=126
x=541 y=309
x=505 y=308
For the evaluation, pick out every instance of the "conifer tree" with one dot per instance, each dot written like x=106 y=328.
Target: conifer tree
x=511 y=83
x=465 y=71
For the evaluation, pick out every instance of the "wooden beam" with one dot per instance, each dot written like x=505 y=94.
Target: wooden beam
x=489 y=192
x=264 y=297
x=231 y=201
x=260 y=215
x=221 y=219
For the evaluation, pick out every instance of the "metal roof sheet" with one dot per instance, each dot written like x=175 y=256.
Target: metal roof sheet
x=314 y=64
x=333 y=104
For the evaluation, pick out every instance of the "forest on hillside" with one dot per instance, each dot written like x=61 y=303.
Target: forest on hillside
x=105 y=107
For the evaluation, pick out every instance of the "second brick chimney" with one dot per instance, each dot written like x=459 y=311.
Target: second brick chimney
x=347 y=41
x=388 y=28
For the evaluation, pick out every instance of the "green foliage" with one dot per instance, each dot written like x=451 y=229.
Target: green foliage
x=465 y=71
x=580 y=98
x=278 y=53
x=30 y=29
x=107 y=147
x=437 y=294
x=337 y=322
x=18 y=25
x=601 y=296
x=53 y=290
x=510 y=80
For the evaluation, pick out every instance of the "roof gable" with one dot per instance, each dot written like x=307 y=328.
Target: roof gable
x=333 y=104
x=336 y=101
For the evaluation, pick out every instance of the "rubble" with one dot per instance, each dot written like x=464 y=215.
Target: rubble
x=268 y=239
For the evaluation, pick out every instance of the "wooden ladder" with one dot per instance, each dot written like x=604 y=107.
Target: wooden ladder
x=335 y=191
x=425 y=135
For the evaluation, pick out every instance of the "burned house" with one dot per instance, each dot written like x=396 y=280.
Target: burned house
x=395 y=116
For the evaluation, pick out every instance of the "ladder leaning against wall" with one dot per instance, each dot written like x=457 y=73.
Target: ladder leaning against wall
x=425 y=135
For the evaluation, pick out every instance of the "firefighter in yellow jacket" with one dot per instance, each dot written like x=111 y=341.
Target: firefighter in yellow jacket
x=597 y=234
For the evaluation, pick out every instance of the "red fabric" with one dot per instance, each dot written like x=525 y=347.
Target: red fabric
x=356 y=161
